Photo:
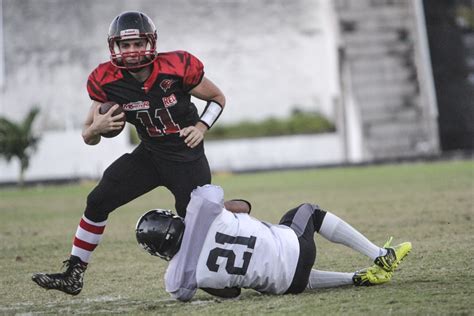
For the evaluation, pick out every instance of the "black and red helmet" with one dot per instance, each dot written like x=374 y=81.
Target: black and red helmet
x=132 y=25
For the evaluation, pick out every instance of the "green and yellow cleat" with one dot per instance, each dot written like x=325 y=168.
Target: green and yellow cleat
x=394 y=255
x=371 y=276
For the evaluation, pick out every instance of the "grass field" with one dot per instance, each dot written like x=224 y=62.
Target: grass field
x=429 y=204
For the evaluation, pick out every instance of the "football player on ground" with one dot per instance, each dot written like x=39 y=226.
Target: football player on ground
x=154 y=90
x=221 y=251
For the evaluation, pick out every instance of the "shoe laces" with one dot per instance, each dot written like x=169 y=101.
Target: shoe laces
x=70 y=265
x=66 y=264
x=388 y=242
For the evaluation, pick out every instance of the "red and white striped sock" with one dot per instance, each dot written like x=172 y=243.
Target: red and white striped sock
x=88 y=236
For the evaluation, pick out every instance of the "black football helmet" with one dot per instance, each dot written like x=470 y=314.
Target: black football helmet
x=132 y=25
x=160 y=232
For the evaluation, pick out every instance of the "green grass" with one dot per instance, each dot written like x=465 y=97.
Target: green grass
x=429 y=204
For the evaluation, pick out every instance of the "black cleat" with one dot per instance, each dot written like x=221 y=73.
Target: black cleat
x=69 y=282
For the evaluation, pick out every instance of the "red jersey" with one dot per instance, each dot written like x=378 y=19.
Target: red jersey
x=159 y=107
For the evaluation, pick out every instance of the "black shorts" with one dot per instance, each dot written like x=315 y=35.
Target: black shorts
x=305 y=220
x=137 y=173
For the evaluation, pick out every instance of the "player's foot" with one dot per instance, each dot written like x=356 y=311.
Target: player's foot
x=394 y=255
x=371 y=276
x=69 y=282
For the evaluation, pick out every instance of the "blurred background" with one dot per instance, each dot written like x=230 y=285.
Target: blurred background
x=394 y=79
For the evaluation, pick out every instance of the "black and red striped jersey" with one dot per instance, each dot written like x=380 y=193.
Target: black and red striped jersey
x=158 y=107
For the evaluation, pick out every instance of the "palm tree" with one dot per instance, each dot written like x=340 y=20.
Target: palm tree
x=17 y=140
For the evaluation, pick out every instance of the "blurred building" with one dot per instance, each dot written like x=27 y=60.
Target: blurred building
x=408 y=75
x=396 y=76
x=267 y=56
x=450 y=26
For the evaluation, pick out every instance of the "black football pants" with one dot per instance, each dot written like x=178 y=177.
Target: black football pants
x=305 y=220
x=135 y=174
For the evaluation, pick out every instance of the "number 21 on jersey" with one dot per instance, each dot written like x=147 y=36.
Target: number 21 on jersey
x=217 y=252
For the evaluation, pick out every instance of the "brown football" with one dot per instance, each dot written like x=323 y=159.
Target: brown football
x=104 y=108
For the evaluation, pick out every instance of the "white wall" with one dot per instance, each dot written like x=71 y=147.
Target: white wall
x=275 y=152
x=2 y=62
x=266 y=56
x=65 y=156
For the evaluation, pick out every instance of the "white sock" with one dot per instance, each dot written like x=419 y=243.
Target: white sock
x=324 y=279
x=88 y=236
x=336 y=230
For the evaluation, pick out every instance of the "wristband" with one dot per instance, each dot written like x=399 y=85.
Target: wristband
x=211 y=113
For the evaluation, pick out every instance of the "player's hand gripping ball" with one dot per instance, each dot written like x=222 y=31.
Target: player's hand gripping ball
x=104 y=108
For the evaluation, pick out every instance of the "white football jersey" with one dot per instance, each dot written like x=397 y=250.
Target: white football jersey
x=221 y=249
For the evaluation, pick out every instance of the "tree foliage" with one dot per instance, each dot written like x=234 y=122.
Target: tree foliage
x=299 y=123
x=18 y=141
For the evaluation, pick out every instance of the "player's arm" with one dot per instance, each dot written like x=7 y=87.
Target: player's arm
x=206 y=90
x=238 y=206
x=89 y=134
x=96 y=123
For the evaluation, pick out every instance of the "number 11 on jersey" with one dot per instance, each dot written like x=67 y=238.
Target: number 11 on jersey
x=169 y=126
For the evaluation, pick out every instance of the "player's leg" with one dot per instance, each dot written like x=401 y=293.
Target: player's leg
x=305 y=220
x=127 y=178
x=304 y=229
x=326 y=279
x=337 y=230
x=181 y=178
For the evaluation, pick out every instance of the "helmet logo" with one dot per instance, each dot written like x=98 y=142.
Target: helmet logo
x=130 y=33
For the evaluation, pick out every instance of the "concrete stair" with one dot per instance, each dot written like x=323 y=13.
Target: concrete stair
x=378 y=39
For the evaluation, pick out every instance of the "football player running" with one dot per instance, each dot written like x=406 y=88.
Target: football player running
x=221 y=251
x=154 y=90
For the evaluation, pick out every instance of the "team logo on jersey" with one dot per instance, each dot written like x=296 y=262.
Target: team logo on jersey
x=166 y=84
x=134 y=106
x=170 y=100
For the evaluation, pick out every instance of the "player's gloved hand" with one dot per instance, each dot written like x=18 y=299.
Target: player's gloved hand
x=193 y=134
x=104 y=123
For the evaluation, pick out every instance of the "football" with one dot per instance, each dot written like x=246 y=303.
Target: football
x=104 y=108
